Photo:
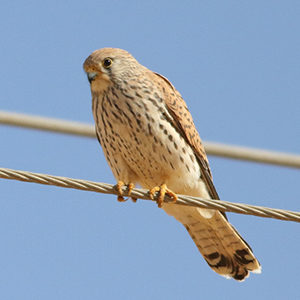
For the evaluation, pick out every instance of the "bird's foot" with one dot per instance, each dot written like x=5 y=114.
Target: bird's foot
x=163 y=190
x=129 y=187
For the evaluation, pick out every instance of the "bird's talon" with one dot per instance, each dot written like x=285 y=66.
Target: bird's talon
x=121 y=199
x=172 y=195
x=133 y=199
x=119 y=186
x=163 y=190
x=129 y=187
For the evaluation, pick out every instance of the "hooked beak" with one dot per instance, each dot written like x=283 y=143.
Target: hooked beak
x=91 y=76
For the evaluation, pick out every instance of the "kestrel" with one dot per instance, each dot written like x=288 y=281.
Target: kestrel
x=149 y=138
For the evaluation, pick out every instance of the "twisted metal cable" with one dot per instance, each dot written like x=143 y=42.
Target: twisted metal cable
x=144 y=194
x=88 y=130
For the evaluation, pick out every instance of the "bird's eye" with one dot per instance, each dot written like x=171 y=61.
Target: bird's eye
x=107 y=62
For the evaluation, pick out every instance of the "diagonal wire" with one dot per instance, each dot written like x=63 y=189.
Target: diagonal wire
x=87 y=130
x=144 y=194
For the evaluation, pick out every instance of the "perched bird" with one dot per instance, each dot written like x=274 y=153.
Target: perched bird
x=149 y=138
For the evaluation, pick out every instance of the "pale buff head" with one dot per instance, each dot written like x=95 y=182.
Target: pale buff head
x=110 y=65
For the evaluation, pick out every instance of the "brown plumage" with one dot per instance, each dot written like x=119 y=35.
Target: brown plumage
x=149 y=138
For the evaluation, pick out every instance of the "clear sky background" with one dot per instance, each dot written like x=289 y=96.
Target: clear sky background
x=236 y=63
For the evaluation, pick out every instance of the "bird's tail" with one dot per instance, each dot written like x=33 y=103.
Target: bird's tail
x=221 y=245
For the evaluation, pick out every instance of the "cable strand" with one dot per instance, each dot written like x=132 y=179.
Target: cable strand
x=105 y=188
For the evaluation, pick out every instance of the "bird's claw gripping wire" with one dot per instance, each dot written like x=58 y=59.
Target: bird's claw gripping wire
x=163 y=190
x=129 y=187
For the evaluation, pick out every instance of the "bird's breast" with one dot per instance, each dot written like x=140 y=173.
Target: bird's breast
x=136 y=127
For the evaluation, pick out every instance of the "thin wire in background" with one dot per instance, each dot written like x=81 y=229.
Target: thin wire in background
x=87 y=130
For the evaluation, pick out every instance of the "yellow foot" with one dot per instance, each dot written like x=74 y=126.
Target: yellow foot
x=163 y=190
x=129 y=186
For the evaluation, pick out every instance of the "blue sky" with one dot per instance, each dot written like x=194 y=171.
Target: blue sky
x=236 y=63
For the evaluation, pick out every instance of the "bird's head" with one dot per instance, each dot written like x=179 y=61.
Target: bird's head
x=109 y=65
